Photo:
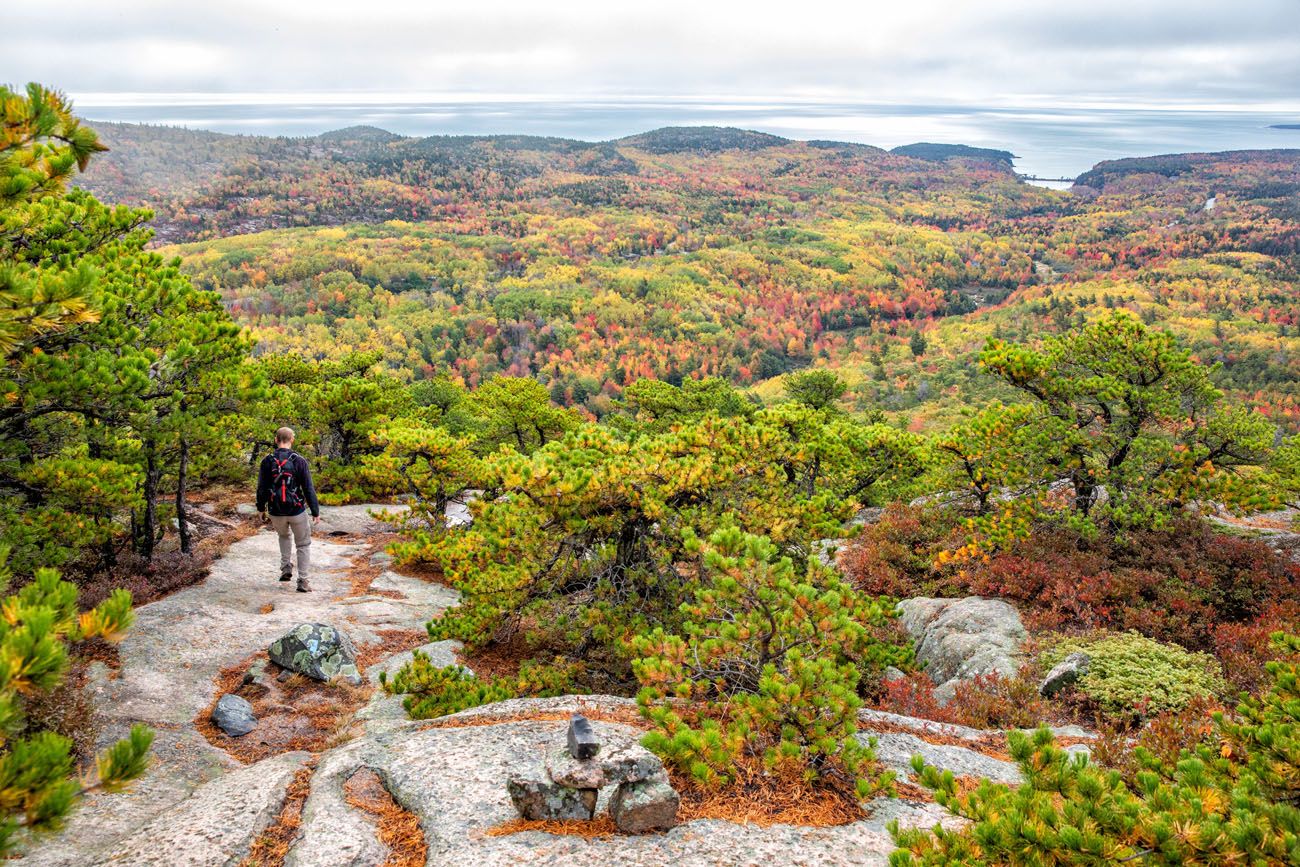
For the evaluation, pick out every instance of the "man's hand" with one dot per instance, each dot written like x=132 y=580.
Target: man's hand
x=265 y=518
x=315 y=519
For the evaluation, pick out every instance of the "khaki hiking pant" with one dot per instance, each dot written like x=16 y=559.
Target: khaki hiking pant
x=294 y=530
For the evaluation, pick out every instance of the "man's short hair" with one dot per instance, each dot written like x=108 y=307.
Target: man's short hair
x=284 y=436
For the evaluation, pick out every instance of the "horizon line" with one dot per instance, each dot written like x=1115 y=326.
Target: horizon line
x=122 y=99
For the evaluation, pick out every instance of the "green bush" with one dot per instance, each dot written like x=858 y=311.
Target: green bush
x=433 y=691
x=766 y=668
x=1230 y=799
x=39 y=784
x=1130 y=674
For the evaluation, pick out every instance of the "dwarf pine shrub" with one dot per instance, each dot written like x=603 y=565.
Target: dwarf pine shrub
x=39 y=785
x=766 y=667
x=1234 y=798
x=431 y=691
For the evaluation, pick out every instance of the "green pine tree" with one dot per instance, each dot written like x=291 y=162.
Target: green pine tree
x=39 y=785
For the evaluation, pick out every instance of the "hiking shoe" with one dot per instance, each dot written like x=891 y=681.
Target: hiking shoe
x=286 y=574
x=304 y=586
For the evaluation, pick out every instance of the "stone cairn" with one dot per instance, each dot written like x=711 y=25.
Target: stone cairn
x=567 y=785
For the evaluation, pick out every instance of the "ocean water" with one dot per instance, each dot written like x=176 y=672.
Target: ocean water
x=1049 y=142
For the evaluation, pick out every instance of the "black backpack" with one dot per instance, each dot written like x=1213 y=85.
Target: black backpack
x=286 y=495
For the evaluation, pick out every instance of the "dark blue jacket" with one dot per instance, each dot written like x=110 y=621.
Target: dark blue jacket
x=301 y=472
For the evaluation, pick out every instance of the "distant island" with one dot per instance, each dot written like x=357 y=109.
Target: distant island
x=940 y=152
x=1285 y=126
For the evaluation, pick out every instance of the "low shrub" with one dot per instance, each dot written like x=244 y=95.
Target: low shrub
x=985 y=702
x=1243 y=648
x=1164 y=737
x=431 y=691
x=894 y=556
x=1132 y=676
x=767 y=667
x=148 y=580
x=1182 y=585
x=991 y=701
x=1231 y=798
x=913 y=695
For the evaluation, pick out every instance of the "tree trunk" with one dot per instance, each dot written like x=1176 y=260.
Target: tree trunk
x=149 y=530
x=1085 y=495
x=182 y=527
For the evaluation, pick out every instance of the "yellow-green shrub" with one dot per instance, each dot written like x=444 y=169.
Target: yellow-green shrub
x=1130 y=674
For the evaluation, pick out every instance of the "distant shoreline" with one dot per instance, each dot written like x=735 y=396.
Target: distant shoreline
x=1285 y=126
x=1051 y=143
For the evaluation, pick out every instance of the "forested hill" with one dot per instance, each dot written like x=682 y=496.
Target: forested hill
x=204 y=184
x=938 y=152
x=717 y=252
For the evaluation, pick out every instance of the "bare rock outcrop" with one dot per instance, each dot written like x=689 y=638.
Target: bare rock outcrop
x=960 y=639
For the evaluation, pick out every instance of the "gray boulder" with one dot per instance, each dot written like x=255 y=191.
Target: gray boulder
x=1065 y=674
x=318 y=651
x=645 y=805
x=234 y=716
x=960 y=639
x=868 y=516
x=544 y=799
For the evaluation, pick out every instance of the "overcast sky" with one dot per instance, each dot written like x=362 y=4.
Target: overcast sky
x=1051 y=52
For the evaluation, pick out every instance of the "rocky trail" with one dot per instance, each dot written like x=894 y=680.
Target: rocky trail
x=200 y=805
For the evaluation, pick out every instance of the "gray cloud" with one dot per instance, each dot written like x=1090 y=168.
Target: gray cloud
x=1153 y=52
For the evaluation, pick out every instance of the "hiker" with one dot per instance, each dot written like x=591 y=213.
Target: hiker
x=284 y=489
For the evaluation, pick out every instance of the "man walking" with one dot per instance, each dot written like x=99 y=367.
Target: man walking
x=284 y=489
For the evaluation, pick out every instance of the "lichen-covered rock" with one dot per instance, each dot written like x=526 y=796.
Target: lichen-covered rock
x=542 y=799
x=234 y=716
x=621 y=763
x=1066 y=673
x=868 y=516
x=644 y=805
x=960 y=639
x=318 y=651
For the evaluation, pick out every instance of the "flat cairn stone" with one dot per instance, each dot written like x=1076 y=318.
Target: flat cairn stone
x=318 y=651
x=643 y=806
x=628 y=763
x=568 y=783
x=234 y=715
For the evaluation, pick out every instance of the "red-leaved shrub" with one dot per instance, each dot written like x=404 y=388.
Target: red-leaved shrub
x=892 y=557
x=1189 y=585
x=986 y=702
x=1165 y=737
